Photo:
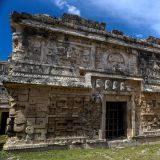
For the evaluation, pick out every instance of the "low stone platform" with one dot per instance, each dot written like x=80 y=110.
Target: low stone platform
x=119 y=143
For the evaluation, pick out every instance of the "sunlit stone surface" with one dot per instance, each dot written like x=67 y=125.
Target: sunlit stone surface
x=64 y=73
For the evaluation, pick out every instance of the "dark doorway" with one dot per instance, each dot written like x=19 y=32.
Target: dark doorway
x=4 y=117
x=116 y=120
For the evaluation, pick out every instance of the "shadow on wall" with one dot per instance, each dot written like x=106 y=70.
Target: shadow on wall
x=4 y=116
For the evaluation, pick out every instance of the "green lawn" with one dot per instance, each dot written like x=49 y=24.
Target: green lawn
x=147 y=152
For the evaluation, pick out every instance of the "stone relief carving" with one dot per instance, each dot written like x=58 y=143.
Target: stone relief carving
x=116 y=61
x=17 y=41
x=57 y=52
x=34 y=50
x=115 y=85
x=150 y=120
x=17 y=121
x=80 y=116
x=99 y=83
x=150 y=67
x=147 y=107
x=112 y=85
x=108 y=84
x=36 y=118
x=122 y=86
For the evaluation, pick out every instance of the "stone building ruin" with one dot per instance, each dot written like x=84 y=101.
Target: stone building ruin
x=4 y=106
x=70 y=82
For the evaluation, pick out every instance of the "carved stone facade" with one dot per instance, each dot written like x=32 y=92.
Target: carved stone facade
x=4 y=106
x=70 y=82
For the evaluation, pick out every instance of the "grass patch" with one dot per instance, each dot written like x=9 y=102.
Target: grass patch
x=143 y=152
x=3 y=155
x=2 y=141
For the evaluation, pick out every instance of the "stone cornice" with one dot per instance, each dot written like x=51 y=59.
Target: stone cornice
x=60 y=25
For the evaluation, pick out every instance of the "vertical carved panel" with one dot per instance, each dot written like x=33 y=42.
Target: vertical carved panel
x=150 y=115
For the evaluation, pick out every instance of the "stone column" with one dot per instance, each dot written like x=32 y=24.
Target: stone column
x=103 y=125
x=93 y=52
x=133 y=115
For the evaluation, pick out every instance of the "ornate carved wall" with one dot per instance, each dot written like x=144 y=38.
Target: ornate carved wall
x=150 y=114
x=4 y=106
x=116 y=60
x=40 y=114
x=61 y=73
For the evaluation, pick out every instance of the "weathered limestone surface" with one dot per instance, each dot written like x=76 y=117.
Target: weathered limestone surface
x=61 y=73
x=45 y=113
x=4 y=106
x=3 y=91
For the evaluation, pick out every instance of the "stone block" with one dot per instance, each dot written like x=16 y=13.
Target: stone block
x=40 y=123
x=32 y=100
x=20 y=118
x=40 y=136
x=23 y=97
x=41 y=107
x=31 y=111
x=23 y=91
x=19 y=127
x=31 y=121
x=51 y=128
x=40 y=114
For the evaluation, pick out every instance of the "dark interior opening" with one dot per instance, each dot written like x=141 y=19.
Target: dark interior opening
x=116 y=120
x=4 y=117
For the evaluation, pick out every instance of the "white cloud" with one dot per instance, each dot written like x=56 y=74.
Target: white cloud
x=136 y=12
x=62 y=4
x=73 y=10
x=139 y=35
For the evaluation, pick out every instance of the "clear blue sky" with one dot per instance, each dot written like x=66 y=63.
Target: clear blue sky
x=138 y=18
